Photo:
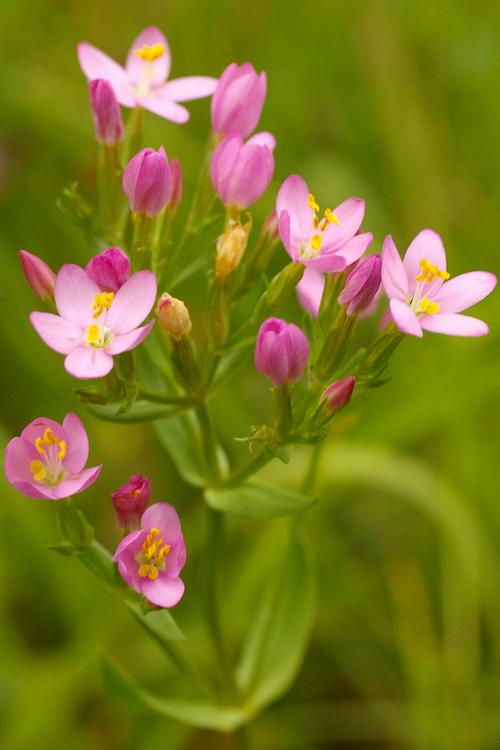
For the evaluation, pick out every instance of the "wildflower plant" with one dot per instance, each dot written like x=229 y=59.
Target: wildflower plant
x=117 y=316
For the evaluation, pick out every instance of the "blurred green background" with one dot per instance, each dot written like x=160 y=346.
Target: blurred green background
x=392 y=101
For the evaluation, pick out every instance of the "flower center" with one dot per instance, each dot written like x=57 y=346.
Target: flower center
x=152 y=556
x=150 y=52
x=102 y=301
x=429 y=272
x=97 y=335
x=49 y=470
x=319 y=225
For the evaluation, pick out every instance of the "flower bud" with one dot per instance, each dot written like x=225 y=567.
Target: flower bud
x=173 y=317
x=39 y=276
x=241 y=172
x=177 y=183
x=281 y=352
x=106 y=112
x=110 y=269
x=230 y=247
x=338 y=394
x=238 y=100
x=147 y=181
x=130 y=501
x=361 y=286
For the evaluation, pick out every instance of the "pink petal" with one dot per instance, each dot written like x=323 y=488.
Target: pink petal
x=129 y=541
x=160 y=68
x=285 y=236
x=132 y=302
x=310 y=291
x=405 y=318
x=350 y=214
x=163 y=516
x=164 y=592
x=96 y=64
x=394 y=278
x=126 y=341
x=32 y=489
x=263 y=139
x=292 y=197
x=38 y=426
x=165 y=108
x=77 y=445
x=188 y=88
x=19 y=453
x=326 y=263
x=58 y=333
x=464 y=291
x=85 y=363
x=429 y=245
x=454 y=325
x=354 y=249
x=74 y=295
x=77 y=483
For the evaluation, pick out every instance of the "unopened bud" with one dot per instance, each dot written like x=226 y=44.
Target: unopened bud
x=130 y=501
x=230 y=247
x=110 y=269
x=173 y=317
x=106 y=112
x=338 y=394
x=361 y=286
x=39 y=276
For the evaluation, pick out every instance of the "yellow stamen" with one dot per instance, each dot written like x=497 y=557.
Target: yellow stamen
x=431 y=272
x=92 y=334
x=164 y=551
x=38 y=470
x=150 y=52
x=144 y=571
x=313 y=205
x=316 y=241
x=428 y=307
x=39 y=445
x=102 y=302
x=330 y=217
x=153 y=573
x=49 y=438
x=62 y=450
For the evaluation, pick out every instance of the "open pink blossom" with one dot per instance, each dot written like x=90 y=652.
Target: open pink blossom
x=47 y=461
x=142 y=82
x=326 y=243
x=150 y=559
x=420 y=295
x=92 y=325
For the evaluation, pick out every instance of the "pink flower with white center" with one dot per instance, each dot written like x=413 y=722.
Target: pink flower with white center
x=326 y=243
x=150 y=560
x=92 y=325
x=142 y=82
x=238 y=100
x=47 y=461
x=241 y=172
x=420 y=295
x=109 y=269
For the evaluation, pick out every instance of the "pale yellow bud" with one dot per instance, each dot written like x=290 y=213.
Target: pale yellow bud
x=173 y=317
x=230 y=247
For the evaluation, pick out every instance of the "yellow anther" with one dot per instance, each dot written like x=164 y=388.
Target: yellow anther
x=316 y=241
x=431 y=272
x=164 y=551
x=62 y=450
x=102 y=301
x=330 y=217
x=49 y=438
x=153 y=573
x=39 y=445
x=150 y=52
x=428 y=307
x=313 y=205
x=92 y=334
x=38 y=470
x=144 y=571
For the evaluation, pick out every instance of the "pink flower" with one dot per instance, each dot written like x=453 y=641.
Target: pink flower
x=142 y=83
x=238 y=100
x=130 y=500
x=281 y=352
x=147 y=181
x=92 y=325
x=241 y=172
x=150 y=559
x=47 y=461
x=39 y=276
x=361 y=286
x=420 y=295
x=106 y=112
x=338 y=394
x=110 y=269
x=328 y=243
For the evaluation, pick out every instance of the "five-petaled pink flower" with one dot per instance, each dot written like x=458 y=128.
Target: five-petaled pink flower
x=420 y=295
x=326 y=243
x=92 y=325
x=47 y=461
x=150 y=559
x=142 y=82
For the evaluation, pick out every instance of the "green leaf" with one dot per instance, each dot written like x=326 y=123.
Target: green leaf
x=140 y=411
x=196 y=713
x=159 y=623
x=278 y=636
x=179 y=437
x=257 y=500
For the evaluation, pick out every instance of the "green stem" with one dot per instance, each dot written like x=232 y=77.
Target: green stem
x=149 y=394
x=134 y=126
x=252 y=467
x=141 y=240
x=209 y=443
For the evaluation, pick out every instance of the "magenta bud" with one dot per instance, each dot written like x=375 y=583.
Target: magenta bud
x=39 y=275
x=362 y=285
x=110 y=269
x=177 y=183
x=106 y=112
x=130 y=501
x=147 y=181
x=338 y=394
x=238 y=100
x=281 y=352
x=241 y=172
